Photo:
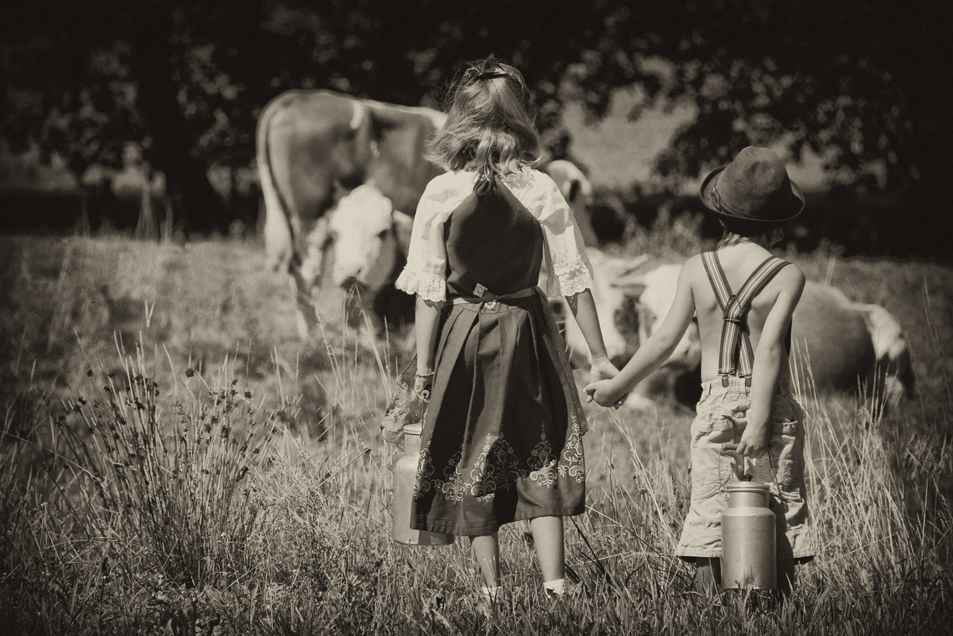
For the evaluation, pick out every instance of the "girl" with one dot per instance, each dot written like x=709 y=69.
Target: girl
x=747 y=401
x=502 y=437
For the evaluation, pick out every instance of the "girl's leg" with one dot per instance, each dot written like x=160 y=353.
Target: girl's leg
x=486 y=548
x=708 y=576
x=548 y=537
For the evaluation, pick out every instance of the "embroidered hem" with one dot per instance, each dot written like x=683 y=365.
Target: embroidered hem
x=571 y=278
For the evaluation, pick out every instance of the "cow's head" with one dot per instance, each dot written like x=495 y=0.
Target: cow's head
x=892 y=351
x=616 y=313
x=654 y=293
x=651 y=294
x=368 y=237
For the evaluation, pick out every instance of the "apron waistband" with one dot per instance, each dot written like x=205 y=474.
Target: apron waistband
x=489 y=298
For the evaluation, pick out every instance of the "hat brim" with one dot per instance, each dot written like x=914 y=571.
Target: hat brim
x=796 y=202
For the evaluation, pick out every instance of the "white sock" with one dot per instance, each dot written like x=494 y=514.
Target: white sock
x=555 y=588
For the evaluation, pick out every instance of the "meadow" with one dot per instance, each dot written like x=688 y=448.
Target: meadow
x=175 y=461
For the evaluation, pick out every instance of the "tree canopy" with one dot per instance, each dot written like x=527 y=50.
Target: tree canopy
x=855 y=81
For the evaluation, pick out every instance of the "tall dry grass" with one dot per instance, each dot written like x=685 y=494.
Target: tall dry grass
x=143 y=508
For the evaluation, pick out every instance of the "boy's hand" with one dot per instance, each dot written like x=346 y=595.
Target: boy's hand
x=605 y=393
x=603 y=369
x=754 y=440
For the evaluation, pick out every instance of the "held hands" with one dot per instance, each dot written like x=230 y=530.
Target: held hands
x=600 y=387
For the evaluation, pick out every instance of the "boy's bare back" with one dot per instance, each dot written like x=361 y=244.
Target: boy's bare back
x=738 y=262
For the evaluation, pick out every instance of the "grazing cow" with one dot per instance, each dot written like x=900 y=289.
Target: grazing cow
x=342 y=172
x=615 y=311
x=837 y=343
x=315 y=148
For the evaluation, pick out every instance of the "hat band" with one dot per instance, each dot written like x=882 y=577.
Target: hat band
x=721 y=205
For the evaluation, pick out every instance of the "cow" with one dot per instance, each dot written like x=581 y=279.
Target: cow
x=837 y=344
x=346 y=173
x=618 y=330
x=322 y=157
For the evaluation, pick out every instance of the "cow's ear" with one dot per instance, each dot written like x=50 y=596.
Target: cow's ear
x=403 y=224
x=574 y=188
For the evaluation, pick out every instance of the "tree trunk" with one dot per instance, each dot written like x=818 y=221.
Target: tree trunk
x=197 y=204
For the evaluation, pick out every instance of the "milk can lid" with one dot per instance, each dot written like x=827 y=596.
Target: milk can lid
x=413 y=428
x=747 y=486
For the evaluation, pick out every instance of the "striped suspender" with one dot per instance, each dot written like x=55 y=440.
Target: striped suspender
x=735 y=353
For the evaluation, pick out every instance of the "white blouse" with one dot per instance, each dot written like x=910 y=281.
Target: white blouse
x=564 y=252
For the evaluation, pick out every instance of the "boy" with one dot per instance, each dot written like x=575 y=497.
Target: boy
x=743 y=298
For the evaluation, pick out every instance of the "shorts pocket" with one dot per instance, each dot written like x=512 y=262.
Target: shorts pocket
x=786 y=471
x=710 y=469
x=786 y=451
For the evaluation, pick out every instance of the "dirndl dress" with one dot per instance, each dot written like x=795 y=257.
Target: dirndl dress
x=502 y=436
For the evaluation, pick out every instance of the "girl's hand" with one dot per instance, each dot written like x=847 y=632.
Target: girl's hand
x=602 y=369
x=422 y=383
x=605 y=393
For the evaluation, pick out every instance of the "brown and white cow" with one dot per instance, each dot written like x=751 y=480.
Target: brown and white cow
x=615 y=311
x=320 y=151
x=346 y=173
x=837 y=343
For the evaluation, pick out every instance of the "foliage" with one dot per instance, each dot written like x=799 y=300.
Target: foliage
x=186 y=80
x=853 y=81
x=170 y=476
x=318 y=557
x=320 y=560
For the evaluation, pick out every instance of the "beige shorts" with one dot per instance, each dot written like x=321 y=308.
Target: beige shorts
x=721 y=418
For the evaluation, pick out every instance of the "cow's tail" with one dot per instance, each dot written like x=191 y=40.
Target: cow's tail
x=279 y=245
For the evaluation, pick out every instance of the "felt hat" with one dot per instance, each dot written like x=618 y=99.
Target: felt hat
x=753 y=191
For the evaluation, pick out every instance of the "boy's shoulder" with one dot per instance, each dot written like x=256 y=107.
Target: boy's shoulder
x=789 y=276
x=694 y=266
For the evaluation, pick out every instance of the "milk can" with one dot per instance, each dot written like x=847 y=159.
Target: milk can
x=405 y=474
x=748 y=538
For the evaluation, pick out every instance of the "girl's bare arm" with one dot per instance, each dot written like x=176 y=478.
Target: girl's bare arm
x=583 y=308
x=426 y=317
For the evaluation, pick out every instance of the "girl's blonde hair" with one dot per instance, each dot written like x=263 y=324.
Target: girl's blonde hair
x=490 y=127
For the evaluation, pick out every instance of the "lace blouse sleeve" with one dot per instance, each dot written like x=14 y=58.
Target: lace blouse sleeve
x=426 y=271
x=565 y=255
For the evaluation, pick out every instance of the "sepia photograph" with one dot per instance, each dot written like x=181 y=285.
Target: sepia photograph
x=510 y=317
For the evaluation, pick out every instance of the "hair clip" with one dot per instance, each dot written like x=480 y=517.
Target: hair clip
x=473 y=74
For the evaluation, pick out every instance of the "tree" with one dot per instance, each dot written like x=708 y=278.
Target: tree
x=855 y=81
x=98 y=75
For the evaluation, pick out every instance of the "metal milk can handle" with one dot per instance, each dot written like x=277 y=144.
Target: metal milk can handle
x=744 y=466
